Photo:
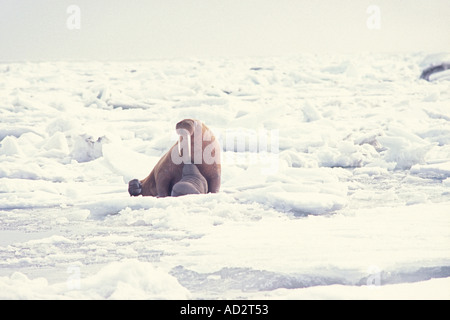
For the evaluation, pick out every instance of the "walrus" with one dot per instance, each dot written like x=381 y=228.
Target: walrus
x=191 y=166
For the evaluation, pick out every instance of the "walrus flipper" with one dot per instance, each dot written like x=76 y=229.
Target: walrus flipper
x=192 y=182
x=214 y=184
x=134 y=188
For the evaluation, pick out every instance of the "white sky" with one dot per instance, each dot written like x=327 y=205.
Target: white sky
x=146 y=29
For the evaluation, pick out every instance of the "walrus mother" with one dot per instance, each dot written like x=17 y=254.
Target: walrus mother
x=197 y=146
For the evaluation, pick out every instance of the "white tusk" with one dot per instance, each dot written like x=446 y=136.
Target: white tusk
x=189 y=148
x=185 y=136
x=179 y=146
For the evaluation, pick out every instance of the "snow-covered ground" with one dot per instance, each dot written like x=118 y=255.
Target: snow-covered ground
x=335 y=182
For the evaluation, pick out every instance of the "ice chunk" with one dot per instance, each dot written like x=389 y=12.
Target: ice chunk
x=435 y=59
x=311 y=113
x=86 y=148
x=10 y=147
x=58 y=141
x=404 y=148
x=132 y=279
x=436 y=170
x=126 y=279
x=128 y=163
x=307 y=202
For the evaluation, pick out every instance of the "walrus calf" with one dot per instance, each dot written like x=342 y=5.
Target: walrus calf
x=191 y=166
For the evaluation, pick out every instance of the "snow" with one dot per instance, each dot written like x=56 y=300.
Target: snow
x=127 y=279
x=335 y=179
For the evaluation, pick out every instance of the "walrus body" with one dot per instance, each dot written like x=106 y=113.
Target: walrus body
x=201 y=150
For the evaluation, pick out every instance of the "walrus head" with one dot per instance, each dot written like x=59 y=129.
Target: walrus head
x=186 y=124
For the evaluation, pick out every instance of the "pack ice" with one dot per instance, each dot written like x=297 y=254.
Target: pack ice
x=335 y=183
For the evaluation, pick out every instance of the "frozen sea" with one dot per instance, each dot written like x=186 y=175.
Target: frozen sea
x=335 y=179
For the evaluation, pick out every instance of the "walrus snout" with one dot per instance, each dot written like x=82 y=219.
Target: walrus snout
x=192 y=182
x=183 y=188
